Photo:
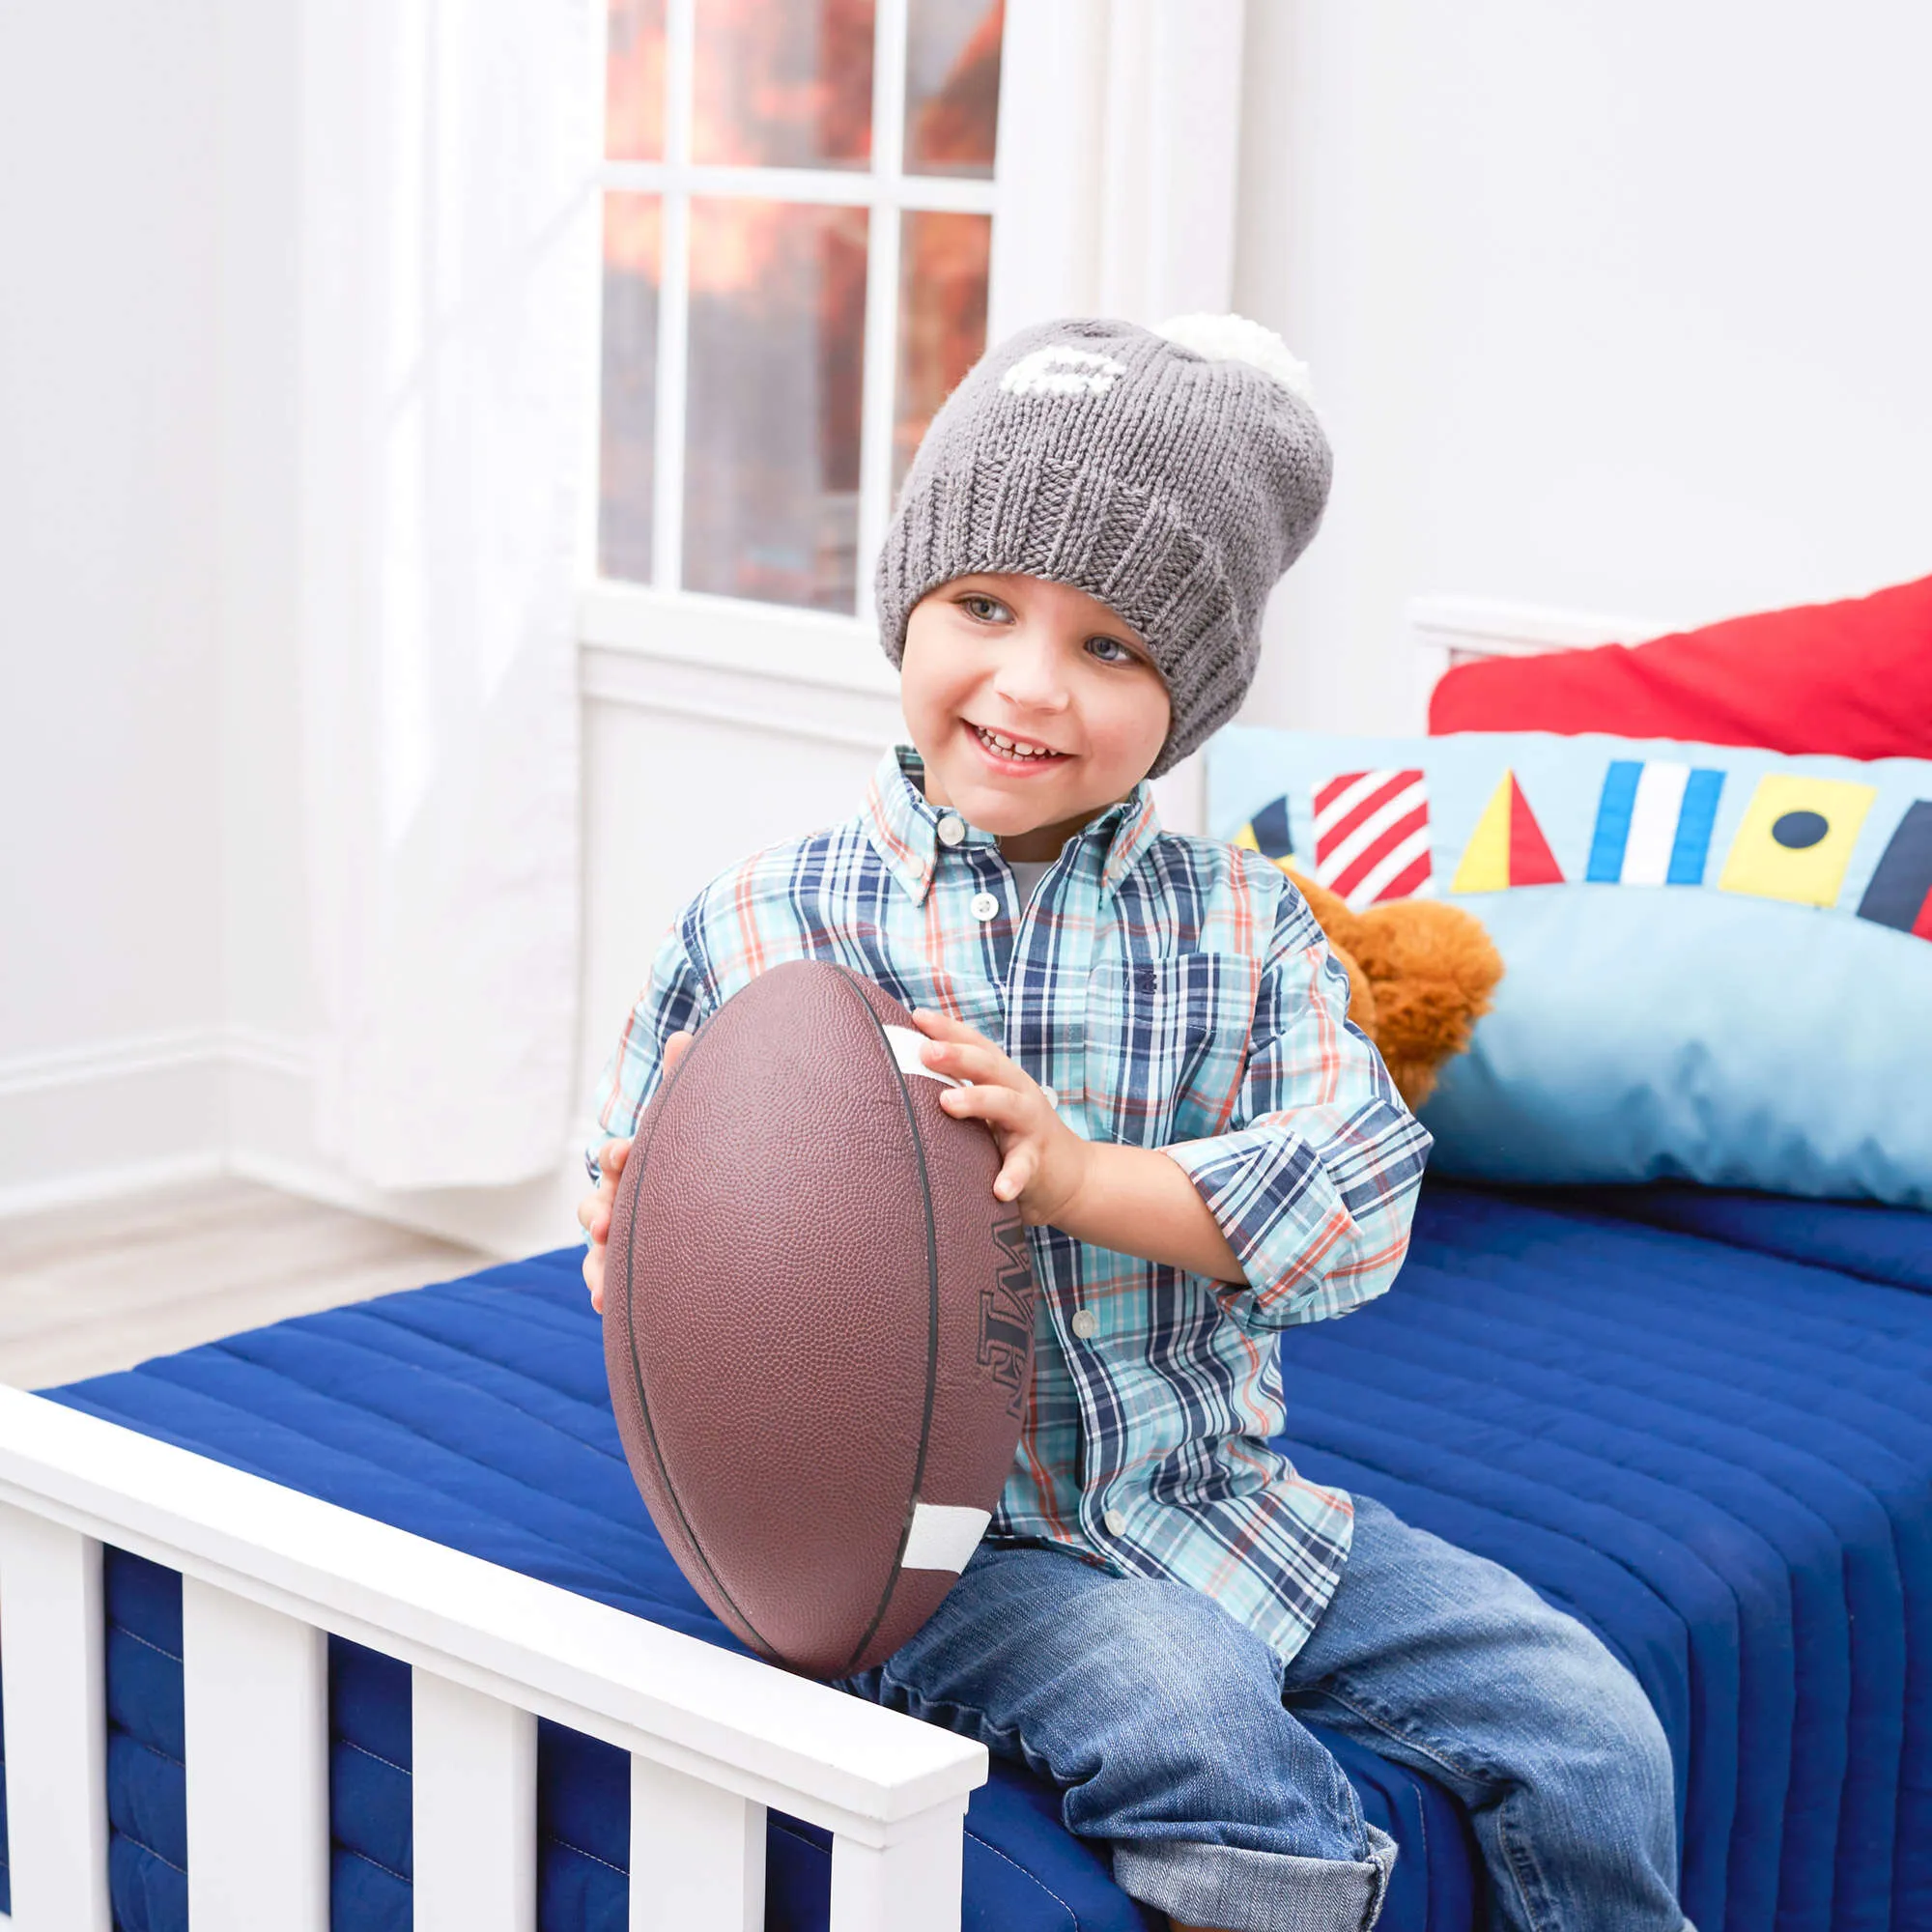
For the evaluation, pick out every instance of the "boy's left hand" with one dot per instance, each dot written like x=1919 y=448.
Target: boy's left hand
x=1043 y=1161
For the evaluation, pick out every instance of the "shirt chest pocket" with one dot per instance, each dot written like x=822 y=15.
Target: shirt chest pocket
x=1166 y=1041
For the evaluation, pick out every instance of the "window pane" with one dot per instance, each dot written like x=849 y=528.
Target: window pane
x=630 y=407
x=778 y=336
x=952 y=86
x=942 y=318
x=634 y=81
x=783 y=83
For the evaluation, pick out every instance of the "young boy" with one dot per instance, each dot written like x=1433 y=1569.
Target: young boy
x=1206 y=1153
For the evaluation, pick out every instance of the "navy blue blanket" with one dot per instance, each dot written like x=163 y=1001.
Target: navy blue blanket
x=1700 y=1421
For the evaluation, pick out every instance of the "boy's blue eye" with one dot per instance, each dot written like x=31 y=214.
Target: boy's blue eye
x=1113 y=645
x=988 y=609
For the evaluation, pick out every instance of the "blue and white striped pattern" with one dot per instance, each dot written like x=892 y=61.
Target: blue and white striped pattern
x=1654 y=823
x=1175 y=993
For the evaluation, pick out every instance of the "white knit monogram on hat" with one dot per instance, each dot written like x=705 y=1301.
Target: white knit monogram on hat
x=1060 y=369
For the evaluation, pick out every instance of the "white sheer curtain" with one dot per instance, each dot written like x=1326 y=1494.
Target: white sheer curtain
x=447 y=245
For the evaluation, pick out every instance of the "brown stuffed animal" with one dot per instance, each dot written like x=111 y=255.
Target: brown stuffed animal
x=1420 y=976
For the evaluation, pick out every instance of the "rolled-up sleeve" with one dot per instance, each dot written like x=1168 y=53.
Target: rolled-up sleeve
x=674 y=1000
x=1314 y=1185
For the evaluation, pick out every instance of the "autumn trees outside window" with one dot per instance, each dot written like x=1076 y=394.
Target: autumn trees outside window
x=797 y=237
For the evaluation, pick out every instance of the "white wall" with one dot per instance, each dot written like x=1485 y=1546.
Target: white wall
x=1611 y=307
x=671 y=801
x=266 y=987
x=110 y=996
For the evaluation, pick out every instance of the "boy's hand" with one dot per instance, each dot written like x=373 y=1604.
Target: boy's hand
x=593 y=1211
x=1043 y=1162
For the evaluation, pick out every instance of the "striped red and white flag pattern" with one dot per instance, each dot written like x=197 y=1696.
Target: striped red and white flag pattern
x=1372 y=836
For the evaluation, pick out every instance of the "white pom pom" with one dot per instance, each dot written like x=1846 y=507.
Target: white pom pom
x=1233 y=338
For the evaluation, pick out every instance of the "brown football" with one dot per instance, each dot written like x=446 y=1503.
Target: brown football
x=817 y=1321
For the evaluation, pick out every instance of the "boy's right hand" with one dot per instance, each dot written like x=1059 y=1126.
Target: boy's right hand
x=593 y=1211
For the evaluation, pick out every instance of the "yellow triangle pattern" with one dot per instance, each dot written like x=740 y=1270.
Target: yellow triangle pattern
x=1485 y=867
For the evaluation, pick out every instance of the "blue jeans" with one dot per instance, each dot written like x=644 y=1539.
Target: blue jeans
x=1173 y=1731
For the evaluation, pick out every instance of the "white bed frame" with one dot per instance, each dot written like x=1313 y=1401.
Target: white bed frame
x=1450 y=631
x=266 y=1573
x=269 y=1574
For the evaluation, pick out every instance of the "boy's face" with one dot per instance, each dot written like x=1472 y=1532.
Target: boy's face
x=1048 y=668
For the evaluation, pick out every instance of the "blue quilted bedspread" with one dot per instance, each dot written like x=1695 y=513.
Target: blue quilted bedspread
x=1700 y=1421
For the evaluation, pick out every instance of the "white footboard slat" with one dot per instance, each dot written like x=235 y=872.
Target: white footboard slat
x=716 y=1736
x=256 y=1689
x=697 y=1854
x=474 y=1793
x=909 y=1885
x=56 y=1725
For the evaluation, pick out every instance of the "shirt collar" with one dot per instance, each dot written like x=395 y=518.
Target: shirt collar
x=904 y=827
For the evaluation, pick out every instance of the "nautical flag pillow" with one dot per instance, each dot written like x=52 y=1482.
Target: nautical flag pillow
x=1720 y=961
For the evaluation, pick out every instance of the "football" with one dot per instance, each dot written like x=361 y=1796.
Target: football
x=817 y=1321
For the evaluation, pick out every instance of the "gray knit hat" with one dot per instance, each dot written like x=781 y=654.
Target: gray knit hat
x=1173 y=473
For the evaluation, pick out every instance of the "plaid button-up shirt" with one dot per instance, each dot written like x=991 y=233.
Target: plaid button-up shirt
x=1173 y=993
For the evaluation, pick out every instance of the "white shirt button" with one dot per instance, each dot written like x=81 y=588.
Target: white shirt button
x=1052 y=1098
x=984 y=905
x=1116 y=1521
x=1086 y=1324
x=951 y=829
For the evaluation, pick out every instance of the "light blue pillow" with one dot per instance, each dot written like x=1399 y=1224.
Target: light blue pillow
x=1720 y=962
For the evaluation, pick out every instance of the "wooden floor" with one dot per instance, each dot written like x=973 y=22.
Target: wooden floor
x=101 y=1287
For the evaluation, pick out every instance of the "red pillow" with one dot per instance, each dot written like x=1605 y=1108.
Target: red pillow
x=1854 y=679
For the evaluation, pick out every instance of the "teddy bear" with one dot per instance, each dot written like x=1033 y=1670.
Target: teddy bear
x=1420 y=976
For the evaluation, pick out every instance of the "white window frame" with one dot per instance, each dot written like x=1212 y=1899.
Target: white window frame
x=883 y=188
x=1038 y=142
x=1113 y=191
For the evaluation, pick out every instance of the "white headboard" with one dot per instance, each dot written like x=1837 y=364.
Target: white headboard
x=1445 y=631
x=1452 y=630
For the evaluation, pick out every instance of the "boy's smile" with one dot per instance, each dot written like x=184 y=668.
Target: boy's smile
x=1034 y=705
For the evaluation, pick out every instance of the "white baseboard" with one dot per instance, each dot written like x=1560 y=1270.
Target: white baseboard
x=275 y=1053
x=87 y=1185
x=131 y=1056
x=80 y=1123
x=503 y=1222
x=168 y=1108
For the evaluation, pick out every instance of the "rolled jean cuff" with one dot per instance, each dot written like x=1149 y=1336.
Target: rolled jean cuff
x=1257 y=1892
